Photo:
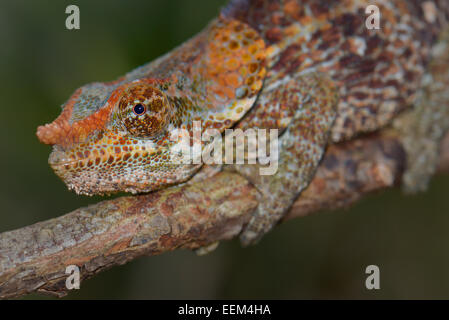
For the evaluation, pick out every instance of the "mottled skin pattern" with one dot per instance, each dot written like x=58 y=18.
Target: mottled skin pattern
x=103 y=146
x=309 y=68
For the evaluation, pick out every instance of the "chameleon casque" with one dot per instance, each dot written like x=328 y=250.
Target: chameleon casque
x=310 y=68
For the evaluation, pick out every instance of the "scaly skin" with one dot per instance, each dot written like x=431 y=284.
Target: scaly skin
x=308 y=68
x=101 y=146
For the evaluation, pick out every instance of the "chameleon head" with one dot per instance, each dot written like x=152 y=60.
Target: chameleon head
x=123 y=135
x=116 y=137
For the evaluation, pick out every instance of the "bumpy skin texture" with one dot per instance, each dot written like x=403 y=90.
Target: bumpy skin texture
x=301 y=148
x=102 y=146
x=309 y=68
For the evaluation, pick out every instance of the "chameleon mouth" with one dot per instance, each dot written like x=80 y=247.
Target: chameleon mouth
x=108 y=173
x=59 y=158
x=91 y=176
x=78 y=174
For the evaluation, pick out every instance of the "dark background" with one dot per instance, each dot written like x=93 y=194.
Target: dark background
x=320 y=256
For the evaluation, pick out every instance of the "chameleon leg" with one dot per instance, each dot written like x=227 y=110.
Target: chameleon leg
x=422 y=129
x=301 y=147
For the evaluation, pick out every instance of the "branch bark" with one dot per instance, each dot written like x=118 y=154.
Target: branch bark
x=34 y=258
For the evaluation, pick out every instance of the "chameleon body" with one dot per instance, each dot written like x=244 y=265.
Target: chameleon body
x=311 y=69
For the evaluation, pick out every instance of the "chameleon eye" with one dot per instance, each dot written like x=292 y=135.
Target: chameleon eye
x=144 y=110
x=139 y=109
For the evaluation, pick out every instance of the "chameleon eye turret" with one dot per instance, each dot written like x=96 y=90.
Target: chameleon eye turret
x=144 y=110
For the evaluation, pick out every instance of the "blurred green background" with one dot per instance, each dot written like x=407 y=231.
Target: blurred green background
x=320 y=256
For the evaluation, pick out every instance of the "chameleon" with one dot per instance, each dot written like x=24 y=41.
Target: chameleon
x=309 y=68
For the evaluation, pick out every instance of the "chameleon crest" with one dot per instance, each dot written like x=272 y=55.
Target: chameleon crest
x=119 y=136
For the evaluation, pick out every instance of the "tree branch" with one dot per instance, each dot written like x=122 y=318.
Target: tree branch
x=34 y=258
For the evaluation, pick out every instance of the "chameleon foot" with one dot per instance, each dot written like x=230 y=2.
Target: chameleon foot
x=422 y=129
x=202 y=251
x=301 y=147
